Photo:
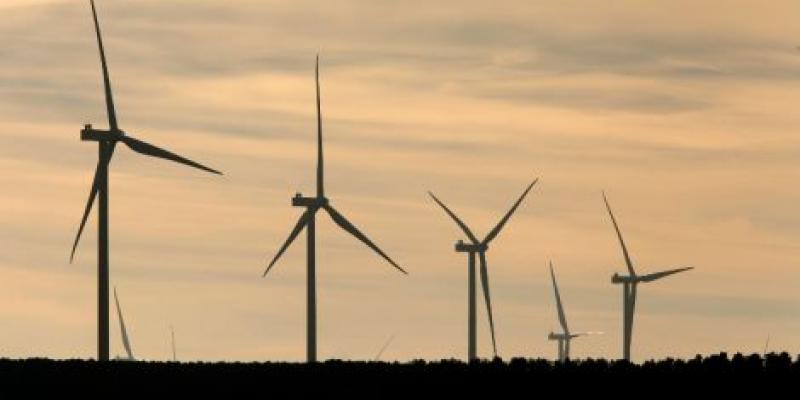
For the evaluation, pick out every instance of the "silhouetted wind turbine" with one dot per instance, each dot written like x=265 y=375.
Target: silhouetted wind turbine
x=107 y=140
x=565 y=337
x=479 y=247
x=125 y=341
x=308 y=221
x=629 y=284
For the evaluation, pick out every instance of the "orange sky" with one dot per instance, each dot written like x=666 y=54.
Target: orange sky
x=683 y=111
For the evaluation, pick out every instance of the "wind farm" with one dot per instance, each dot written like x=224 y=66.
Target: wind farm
x=442 y=123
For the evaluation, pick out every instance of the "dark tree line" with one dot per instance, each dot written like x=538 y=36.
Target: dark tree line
x=518 y=377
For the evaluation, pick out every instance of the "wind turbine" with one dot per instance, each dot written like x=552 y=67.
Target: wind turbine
x=479 y=247
x=125 y=341
x=565 y=337
x=106 y=141
x=629 y=284
x=308 y=221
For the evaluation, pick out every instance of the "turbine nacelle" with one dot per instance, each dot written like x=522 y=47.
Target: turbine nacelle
x=617 y=278
x=557 y=336
x=309 y=202
x=100 y=135
x=464 y=247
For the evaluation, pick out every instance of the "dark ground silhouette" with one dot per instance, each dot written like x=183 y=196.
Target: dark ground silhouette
x=518 y=377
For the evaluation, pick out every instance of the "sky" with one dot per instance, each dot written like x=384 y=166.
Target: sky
x=684 y=112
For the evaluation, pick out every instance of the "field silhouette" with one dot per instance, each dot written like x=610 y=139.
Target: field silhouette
x=417 y=379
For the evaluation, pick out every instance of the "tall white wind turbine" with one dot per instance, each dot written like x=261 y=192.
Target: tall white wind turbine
x=565 y=337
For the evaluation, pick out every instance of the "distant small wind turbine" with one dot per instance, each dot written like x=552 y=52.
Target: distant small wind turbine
x=479 y=247
x=125 y=340
x=565 y=337
x=764 y=354
x=106 y=141
x=629 y=284
x=308 y=221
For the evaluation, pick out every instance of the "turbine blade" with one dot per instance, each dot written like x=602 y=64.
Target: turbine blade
x=619 y=235
x=561 y=317
x=301 y=223
x=506 y=217
x=343 y=223
x=88 y=209
x=320 y=166
x=125 y=341
x=153 y=151
x=588 y=333
x=487 y=297
x=102 y=163
x=385 y=346
x=659 y=275
x=174 y=355
x=455 y=218
x=112 y=115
